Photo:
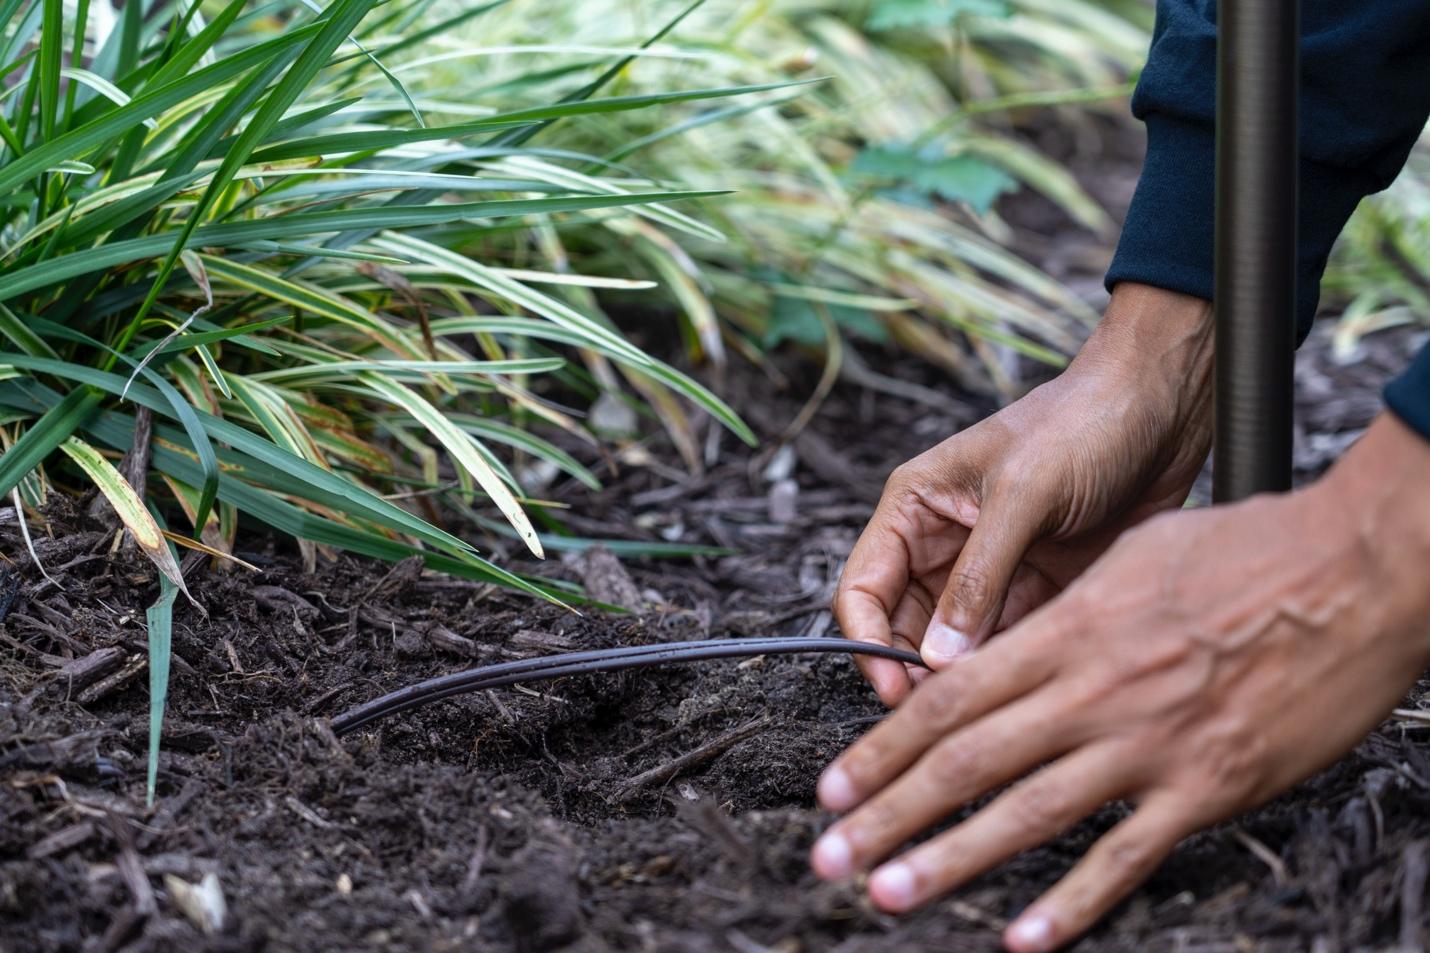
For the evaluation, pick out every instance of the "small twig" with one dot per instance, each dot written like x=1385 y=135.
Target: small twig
x=700 y=814
x=860 y=373
x=307 y=813
x=652 y=741
x=322 y=699
x=1264 y=854
x=694 y=758
x=833 y=364
x=1418 y=715
x=475 y=864
x=502 y=710
x=44 y=587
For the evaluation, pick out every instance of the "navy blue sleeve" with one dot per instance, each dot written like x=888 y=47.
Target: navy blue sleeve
x=1408 y=396
x=1365 y=96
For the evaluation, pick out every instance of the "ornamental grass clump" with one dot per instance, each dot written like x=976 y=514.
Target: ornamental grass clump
x=237 y=219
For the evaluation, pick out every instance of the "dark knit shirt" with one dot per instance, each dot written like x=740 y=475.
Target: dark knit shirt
x=1365 y=96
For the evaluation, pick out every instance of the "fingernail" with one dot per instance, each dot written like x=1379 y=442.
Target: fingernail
x=892 y=887
x=832 y=858
x=836 y=791
x=944 y=643
x=1032 y=934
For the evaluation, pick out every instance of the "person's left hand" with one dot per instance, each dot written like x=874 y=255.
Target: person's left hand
x=1209 y=661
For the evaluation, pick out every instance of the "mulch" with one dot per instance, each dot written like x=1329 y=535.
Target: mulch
x=552 y=818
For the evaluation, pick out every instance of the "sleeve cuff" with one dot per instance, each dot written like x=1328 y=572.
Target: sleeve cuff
x=1169 y=236
x=1408 y=396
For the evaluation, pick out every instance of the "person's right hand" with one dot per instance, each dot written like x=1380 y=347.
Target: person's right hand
x=976 y=533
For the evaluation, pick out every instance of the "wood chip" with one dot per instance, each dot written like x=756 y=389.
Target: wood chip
x=280 y=600
x=537 y=641
x=131 y=869
x=86 y=670
x=445 y=639
x=59 y=754
x=1412 y=895
x=606 y=580
x=113 y=683
x=783 y=502
x=66 y=838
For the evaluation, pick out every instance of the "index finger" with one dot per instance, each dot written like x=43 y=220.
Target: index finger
x=967 y=690
x=874 y=579
x=862 y=618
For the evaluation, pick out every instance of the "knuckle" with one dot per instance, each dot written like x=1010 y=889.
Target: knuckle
x=1013 y=483
x=1131 y=857
x=938 y=703
x=1040 y=807
x=901 y=479
x=972 y=585
x=877 y=818
x=953 y=764
x=1231 y=767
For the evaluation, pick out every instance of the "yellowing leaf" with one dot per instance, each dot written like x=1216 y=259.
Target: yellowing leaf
x=462 y=447
x=130 y=508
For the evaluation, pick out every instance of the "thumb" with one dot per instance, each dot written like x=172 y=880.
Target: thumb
x=972 y=599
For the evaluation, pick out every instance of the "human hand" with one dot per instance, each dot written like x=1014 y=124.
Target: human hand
x=1210 y=660
x=991 y=523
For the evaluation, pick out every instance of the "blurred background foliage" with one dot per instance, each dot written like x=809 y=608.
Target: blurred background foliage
x=865 y=203
x=1379 y=275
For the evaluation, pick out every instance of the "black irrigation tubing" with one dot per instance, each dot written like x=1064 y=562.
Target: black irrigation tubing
x=598 y=660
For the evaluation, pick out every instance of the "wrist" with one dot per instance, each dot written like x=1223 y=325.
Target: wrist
x=1145 y=325
x=1380 y=486
x=1160 y=344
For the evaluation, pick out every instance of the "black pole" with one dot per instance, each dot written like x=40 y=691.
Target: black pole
x=1258 y=75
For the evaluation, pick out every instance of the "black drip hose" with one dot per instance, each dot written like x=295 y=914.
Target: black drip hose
x=598 y=660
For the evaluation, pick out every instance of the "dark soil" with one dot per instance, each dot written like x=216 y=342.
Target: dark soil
x=517 y=820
